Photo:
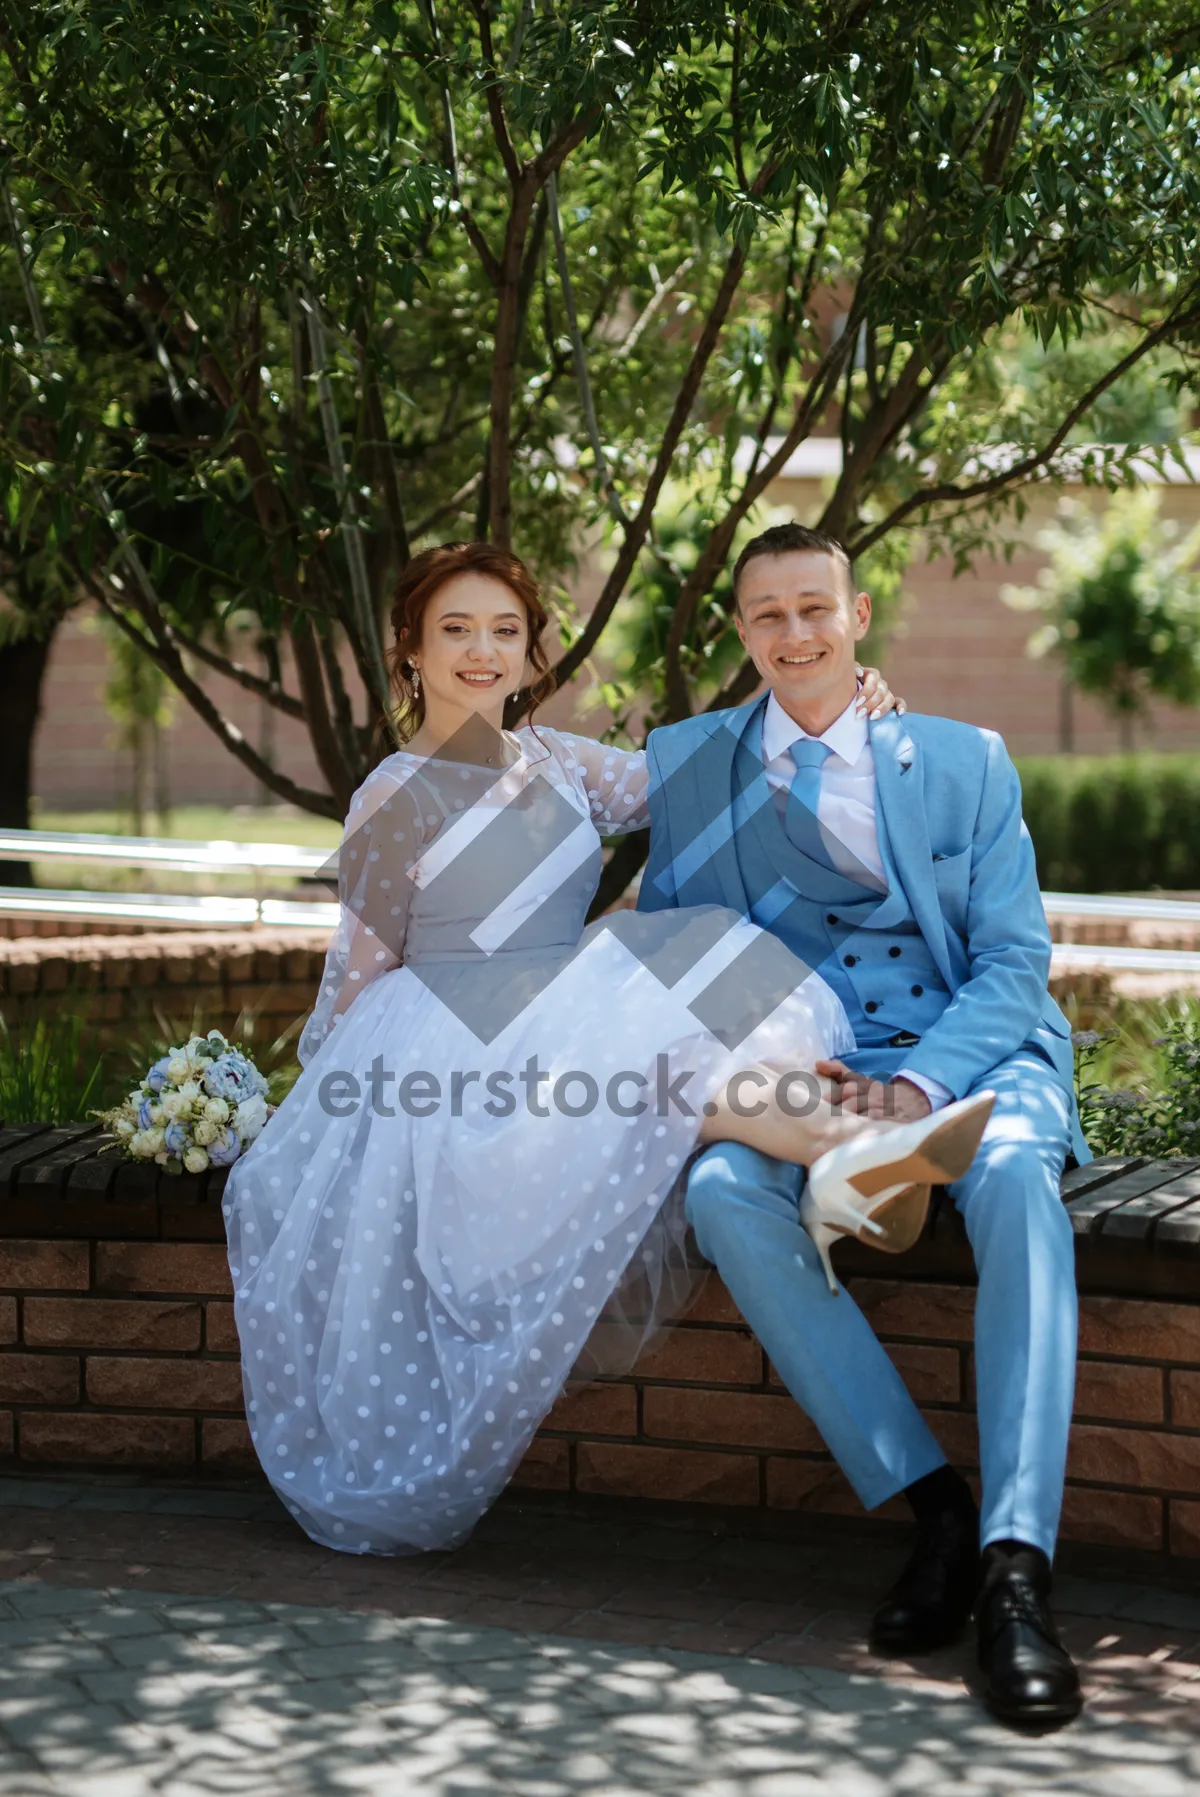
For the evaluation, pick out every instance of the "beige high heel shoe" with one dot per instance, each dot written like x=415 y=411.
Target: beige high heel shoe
x=876 y=1187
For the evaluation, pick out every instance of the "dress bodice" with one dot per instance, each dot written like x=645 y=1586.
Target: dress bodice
x=450 y=864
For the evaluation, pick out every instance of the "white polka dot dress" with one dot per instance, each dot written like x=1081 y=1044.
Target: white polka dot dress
x=495 y=1107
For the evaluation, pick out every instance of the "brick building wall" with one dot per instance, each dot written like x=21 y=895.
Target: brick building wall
x=956 y=650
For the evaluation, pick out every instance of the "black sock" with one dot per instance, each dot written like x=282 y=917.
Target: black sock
x=938 y=1492
x=1000 y=1557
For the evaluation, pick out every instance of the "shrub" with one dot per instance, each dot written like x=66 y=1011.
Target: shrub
x=1159 y=1117
x=1114 y=823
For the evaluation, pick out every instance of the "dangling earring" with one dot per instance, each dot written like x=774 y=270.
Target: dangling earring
x=416 y=684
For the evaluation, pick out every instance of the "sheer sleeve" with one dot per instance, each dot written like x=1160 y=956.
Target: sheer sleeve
x=614 y=781
x=381 y=840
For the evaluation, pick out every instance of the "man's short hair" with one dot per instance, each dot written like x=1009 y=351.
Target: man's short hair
x=782 y=539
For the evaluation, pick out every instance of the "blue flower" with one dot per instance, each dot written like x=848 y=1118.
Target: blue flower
x=156 y=1079
x=231 y=1076
x=143 y=1116
x=175 y=1138
x=225 y=1150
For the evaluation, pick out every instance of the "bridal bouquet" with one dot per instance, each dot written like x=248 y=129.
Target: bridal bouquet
x=199 y=1106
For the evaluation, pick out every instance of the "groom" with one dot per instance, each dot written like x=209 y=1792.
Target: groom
x=893 y=859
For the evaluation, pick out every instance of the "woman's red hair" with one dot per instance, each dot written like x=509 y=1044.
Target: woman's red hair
x=424 y=576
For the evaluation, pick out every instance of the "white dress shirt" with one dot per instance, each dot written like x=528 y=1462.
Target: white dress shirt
x=846 y=808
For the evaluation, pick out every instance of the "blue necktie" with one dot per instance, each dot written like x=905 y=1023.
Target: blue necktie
x=804 y=795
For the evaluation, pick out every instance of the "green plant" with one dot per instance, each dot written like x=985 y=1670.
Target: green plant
x=1159 y=1115
x=1113 y=823
x=290 y=290
x=1121 y=598
x=152 y=1034
x=50 y=1070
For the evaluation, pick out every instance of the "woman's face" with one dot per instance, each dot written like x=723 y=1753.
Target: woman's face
x=473 y=647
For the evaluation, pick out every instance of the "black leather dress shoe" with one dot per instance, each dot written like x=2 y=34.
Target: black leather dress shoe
x=1029 y=1677
x=930 y=1602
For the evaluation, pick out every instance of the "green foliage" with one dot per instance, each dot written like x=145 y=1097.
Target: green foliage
x=1122 y=599
x=281 y=300
x=53 y=1069
x=149 y=1035
x=50 y=1071
x=1160 y=1115
x=1113 y=823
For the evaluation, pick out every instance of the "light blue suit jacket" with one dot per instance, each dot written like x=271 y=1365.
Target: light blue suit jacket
x=951 y=803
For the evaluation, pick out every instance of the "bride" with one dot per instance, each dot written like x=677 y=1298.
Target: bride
x=482 y=1152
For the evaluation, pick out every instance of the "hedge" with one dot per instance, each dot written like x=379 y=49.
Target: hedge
x=1114 y=823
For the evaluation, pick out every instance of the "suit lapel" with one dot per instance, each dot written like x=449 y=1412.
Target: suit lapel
x=714 y=770
x=900 y=795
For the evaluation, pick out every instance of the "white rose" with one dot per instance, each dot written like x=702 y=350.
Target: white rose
x=177 y=1069
x=162 y=1157
x=124 y=1127
x=250 y=1116
x=205 y=1132
x=141 y=1145
x=172 y=1104
x=195 y=1160
x=191 y=1089
x=154 y=1138
x=217 y=1109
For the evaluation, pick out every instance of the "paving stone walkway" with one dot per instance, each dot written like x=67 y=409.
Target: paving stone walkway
x=157 y=1641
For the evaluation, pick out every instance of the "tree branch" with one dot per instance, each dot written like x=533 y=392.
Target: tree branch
x=167 y=659
x=713 y=555
x=662 y=290
x=382 y=460
x=475 y=236
x=495 y=102
x=447 y=509
x=685 y=399
x=1020 y=473
x=378 y=687
x=241 y=675
x=604 y=477
x=735 y=107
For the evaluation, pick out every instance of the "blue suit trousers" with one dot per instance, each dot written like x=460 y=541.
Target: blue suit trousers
x=743 y=1207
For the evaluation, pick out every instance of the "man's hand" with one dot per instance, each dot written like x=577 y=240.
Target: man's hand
x=899 y=1101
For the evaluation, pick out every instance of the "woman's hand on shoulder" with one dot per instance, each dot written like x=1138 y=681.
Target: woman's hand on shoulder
x=875 y=696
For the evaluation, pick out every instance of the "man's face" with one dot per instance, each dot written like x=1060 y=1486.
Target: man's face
x=801 y=625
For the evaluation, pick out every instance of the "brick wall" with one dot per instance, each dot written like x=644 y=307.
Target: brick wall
x=274 y=973
x=957 y=650
x=124 y=1353
x=114 y=979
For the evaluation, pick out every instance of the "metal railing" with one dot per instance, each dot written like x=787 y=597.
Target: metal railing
x=172 y=854
x=175 y=853
x=201 y=911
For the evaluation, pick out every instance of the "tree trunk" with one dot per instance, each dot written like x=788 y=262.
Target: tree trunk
x=22 y=668
x=1066 y=714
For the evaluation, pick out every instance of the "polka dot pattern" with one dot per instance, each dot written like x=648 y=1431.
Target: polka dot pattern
x=412 y=1292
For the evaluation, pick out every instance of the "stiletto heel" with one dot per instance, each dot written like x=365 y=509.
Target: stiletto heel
x=877 y=1187
x=823 y=1238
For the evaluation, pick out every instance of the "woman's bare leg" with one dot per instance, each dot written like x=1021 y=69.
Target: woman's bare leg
x=755 y=1107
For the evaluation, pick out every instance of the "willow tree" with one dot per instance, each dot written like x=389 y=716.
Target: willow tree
x=376 y=274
